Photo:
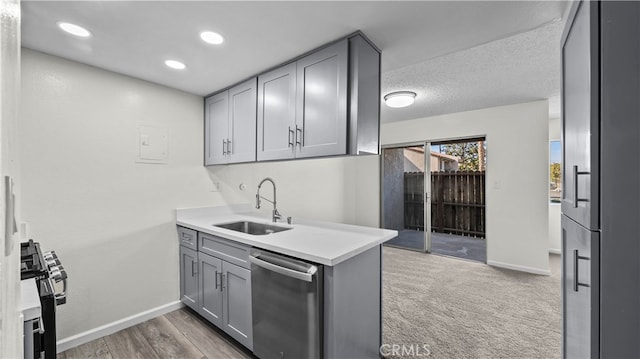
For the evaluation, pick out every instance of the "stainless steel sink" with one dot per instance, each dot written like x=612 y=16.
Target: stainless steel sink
x=254 y=228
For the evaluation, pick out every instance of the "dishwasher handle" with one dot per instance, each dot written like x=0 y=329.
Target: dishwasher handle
x=305 y=276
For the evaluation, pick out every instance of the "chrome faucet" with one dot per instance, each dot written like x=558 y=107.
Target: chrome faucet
x=276 y=214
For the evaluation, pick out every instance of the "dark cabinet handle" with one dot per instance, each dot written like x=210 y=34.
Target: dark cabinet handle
x=290 y=137
x=576 y=282
x=216 y=280
x=301 y=139
x=577 y=173
x=193 y=269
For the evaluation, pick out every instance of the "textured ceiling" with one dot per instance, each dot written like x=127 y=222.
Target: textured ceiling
x=520 y=68
x=423 y=43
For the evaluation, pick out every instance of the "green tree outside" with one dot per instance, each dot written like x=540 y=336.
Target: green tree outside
x=468 y=154
x=555 y=173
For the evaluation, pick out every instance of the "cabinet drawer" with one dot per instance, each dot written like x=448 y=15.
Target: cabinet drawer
x=224 y=249
x=188 y=237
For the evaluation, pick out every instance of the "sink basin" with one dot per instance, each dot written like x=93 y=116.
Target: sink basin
x=252 y=227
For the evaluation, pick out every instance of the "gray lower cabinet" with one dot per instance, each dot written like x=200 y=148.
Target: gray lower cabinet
x=236 y=303
x=225 y=297
x=215 y=281
x=581 y=290
x=210 y=296
x=189 y=277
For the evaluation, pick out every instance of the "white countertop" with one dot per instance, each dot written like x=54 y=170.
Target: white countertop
x=321 y=242
x=30 y=302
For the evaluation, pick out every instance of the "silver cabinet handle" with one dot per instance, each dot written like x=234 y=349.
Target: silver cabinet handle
x=194 y=271
x=224 y=147
x=577 y=173
x=229 y=148
x=576 y=281
x=290 y=137
x=300 y=140
x=305 y=276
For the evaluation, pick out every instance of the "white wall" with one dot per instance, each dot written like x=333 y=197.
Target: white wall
x=555 y=213
x=517 y=175
x=110 y=220
x=10 y=320
x=340 y=189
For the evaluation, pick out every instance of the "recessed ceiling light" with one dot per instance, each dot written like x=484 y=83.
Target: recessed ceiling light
x=74 y=29
x=399 y=98
x=211 y=37
x=175 y=64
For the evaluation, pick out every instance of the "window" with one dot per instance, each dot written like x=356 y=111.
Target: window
x=555 y=171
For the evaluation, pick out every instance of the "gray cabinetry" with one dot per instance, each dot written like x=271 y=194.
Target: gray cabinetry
x=216 y=127
x=580 y=69
x=580 y=283
x=230 y=125
x=326 y=103
x=321 y=102
x=189 y=277
x=236 y=284
x=210 y=295
x=601 y=142
x=277 y=113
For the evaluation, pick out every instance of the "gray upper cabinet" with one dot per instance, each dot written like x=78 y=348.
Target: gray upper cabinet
x=326 y=103
x=321 y=103
x=230 y=125
x=580 y=72
x=216 y=127
x=277 y=113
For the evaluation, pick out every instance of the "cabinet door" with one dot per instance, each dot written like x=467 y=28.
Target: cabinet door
x=321 y=109
x=189 y=277
x=276 y=113
x=580 y=288
x=216 y=127
x=211 y=289
x=580 y=133
x=242 y=122
x=237 y=304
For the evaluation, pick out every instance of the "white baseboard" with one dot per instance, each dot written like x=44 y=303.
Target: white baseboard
x=519 y=268
x=110 y=328
x=555 y=251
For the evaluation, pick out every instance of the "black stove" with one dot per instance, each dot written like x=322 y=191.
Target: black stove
x=46 y=268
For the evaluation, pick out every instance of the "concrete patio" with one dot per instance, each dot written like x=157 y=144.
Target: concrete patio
x=443 y=244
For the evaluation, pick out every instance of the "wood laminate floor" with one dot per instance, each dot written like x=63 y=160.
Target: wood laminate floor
x=179 y=334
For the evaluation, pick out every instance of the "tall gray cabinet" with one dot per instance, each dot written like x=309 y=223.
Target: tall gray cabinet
x=601 y=180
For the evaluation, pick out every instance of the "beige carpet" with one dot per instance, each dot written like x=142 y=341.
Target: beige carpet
x=462 y=309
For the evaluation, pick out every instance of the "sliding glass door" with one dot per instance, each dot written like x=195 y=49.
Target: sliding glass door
x=406 y=194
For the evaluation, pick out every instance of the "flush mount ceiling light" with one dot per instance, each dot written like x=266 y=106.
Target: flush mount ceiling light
x=399 y=98
x=211 y=37
x=177 y=65
x=74 y=29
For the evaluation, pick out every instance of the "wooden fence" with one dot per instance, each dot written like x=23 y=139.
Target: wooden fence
x=457 y=202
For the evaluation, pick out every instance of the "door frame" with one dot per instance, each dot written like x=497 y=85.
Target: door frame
x=427 y=189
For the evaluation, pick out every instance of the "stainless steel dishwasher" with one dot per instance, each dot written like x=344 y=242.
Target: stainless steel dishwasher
x=286 y=296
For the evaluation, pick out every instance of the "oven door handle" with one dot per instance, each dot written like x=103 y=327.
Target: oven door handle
x=305 y=276
x=40 y=328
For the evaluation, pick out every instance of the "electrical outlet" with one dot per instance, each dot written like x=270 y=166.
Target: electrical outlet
x=215 y=187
